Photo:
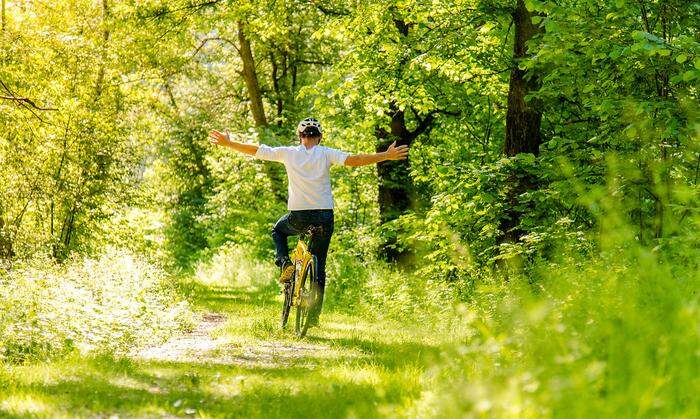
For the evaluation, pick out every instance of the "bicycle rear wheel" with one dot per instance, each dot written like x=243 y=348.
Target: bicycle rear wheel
x=308 y=300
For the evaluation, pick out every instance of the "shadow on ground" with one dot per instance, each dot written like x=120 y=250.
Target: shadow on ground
x=369 y=375
x=108 y=386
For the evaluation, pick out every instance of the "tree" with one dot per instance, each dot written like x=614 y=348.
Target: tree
x=257 y=109
x=66 y=171
x=403 y=76
x=523 y=118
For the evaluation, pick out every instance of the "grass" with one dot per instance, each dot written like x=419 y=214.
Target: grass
x=350 y=367
x=613 y=337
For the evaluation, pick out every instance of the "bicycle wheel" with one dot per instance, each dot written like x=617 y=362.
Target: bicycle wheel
x=287 y=305
x=309 y=296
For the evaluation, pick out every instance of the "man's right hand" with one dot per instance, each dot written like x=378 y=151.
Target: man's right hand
x=219 y=138
x=394 y=152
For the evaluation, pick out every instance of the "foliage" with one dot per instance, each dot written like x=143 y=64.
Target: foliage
x=190 y=185
x=66 y=170
x=615 y=336
x=112 y=304
x=616 y=108
x=557 y=281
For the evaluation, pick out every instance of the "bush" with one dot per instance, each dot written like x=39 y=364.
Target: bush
x=110 y=304
x=372 y=287
x=230 y=264
x=617 y=336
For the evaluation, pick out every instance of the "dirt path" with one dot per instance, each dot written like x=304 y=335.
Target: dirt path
x=204 y=346
x=236 y=363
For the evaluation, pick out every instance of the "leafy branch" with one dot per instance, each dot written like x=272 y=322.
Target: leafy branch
x=24 y=102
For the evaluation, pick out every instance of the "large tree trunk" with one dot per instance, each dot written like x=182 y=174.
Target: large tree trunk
x=523 y=119
x=272 y=170
x=395 y=183
x=396 y=189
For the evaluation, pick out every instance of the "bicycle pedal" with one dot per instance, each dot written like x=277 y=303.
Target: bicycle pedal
x=287 y=274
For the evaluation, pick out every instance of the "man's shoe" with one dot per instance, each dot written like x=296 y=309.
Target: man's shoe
x=287 y=272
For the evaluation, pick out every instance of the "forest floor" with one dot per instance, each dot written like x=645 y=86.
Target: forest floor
x=238 y=363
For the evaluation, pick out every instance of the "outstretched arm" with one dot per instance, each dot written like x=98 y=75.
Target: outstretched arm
x=224 y=140
x=392 y=153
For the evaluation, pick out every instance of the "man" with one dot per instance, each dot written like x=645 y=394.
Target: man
x=310 y=200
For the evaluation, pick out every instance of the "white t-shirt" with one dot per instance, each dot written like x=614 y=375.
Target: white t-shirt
x=308 y=172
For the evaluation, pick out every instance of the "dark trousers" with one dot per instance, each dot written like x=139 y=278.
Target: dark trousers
x=296 y=222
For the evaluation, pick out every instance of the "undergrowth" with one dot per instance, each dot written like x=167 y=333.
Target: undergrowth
x=613 y=337
x=113 y=304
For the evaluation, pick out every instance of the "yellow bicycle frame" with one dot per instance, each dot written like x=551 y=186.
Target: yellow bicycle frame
x=302 y=258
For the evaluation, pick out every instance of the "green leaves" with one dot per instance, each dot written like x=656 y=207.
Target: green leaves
x=690 y=75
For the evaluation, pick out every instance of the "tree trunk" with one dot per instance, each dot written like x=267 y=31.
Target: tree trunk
x=60 y=248
x=523 y=120
x=6 y=251
x=395 y=183
x=272 y=170
x=396 y=191
x=251 y=78
x=105 y=38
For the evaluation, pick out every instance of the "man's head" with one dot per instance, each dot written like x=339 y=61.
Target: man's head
x=310 y=130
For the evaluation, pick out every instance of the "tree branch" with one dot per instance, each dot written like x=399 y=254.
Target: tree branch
x=424 y=124
x=214 y=38
x=28 y=101
x=302 y=61
x=23 y=102
x=328 y=11
x=191 y=6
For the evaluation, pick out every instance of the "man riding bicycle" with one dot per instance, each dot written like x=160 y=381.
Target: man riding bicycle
x=310 y=201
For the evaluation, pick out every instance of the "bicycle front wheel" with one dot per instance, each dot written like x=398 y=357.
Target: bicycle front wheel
x=287 y=305
x=308 y=300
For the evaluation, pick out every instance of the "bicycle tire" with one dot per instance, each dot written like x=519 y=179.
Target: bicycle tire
x=287 y=304
x=310 y=295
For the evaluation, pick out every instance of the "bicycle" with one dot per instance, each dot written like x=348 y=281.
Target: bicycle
x=302 y=290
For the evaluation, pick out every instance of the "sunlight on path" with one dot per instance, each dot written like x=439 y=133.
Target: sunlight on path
x=235 y=363
x=200 y=346
x=189 y=347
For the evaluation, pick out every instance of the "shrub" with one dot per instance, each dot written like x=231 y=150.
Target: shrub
x=109 y=304
x=612 y=337
x=376 y=288
x=230 y=264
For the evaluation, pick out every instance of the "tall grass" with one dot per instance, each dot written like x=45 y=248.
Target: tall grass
x=617 y=336
x=232 y=264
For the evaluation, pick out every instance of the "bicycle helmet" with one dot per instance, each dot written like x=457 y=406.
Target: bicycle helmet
x=311 y=124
